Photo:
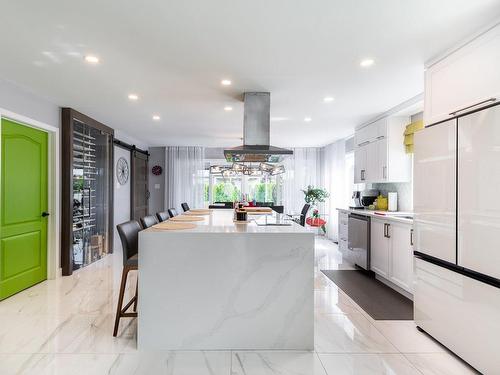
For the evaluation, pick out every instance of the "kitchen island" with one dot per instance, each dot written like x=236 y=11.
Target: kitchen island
x=225 y=285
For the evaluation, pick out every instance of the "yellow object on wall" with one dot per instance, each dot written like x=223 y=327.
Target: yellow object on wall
x=408 y=135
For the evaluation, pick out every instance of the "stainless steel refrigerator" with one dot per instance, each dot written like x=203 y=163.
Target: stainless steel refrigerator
x=457 y=235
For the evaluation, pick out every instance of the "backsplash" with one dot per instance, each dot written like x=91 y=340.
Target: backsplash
x=404 y=190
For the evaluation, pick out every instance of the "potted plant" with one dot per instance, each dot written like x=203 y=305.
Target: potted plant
x=313 y=196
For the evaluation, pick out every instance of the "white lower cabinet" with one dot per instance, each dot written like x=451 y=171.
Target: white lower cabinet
x=379 y=248
x=401 y=255
x=391 y=252
x=342 y=236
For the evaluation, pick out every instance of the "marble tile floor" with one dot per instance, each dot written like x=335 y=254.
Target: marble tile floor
x=64 y=326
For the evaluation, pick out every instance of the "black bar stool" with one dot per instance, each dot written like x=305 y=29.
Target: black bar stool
x=185 y=206
x=162 y=216
x=172 y=212
x=148 y=221
x=129 y=235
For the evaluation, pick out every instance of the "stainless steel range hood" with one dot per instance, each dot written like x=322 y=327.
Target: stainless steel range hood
x=256 y=133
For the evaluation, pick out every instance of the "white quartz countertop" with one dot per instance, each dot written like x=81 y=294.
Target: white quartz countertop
x=221 y=221
x=383 y=215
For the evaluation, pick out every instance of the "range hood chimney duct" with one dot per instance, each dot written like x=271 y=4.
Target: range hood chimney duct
x=256 y=132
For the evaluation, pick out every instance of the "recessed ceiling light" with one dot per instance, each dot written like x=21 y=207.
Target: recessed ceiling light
x=92 y=59
x=366 y=63
x=228 y=108
x=133 y=96
x=307 y=119
x=225 y=82
x=156 y=117
x=328 y=99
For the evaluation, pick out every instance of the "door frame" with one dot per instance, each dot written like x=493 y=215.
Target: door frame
x=53 y=168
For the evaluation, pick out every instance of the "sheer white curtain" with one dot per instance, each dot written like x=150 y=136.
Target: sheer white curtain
x=302 y=169
x=333 y=177
x=184 y=176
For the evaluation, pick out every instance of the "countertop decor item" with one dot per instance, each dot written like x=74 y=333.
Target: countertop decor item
x=393 y=201
x=157 y=170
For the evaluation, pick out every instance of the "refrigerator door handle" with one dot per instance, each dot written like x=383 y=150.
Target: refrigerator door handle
x=472 y=106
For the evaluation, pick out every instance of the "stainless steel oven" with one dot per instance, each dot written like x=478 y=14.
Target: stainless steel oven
x=358 y=240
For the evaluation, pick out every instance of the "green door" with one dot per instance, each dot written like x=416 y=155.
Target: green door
x=23 y=191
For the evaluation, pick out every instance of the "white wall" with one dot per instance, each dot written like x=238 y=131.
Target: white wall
x=26 y=107
x=23 y=102
x=156 y=183
x=121 y=204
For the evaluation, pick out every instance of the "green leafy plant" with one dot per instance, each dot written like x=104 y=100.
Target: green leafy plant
x=314 y=195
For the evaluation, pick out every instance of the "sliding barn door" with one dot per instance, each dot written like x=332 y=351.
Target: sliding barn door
x=140 y=191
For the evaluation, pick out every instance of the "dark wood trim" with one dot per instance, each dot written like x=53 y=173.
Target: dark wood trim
x=133 y=155
x=128 y=146
x=66 y=193
x=89 y=121
x=67 y=117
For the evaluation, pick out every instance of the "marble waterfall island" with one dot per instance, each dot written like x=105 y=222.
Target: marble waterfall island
x=223 y=286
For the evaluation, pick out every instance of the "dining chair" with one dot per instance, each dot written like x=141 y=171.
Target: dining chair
x=148 y=221
x=301 y=219
x=129 y=236
x=303 y=214
x=162 y=216
x=185 y=206
x=172 y=212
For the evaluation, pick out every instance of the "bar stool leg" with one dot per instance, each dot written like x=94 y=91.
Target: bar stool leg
x=120 y=300
x=136 y=292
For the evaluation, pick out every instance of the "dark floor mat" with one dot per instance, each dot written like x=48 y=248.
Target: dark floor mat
x=373 y=296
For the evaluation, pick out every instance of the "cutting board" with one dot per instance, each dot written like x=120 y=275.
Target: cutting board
x=169 y=225
x=186 y=218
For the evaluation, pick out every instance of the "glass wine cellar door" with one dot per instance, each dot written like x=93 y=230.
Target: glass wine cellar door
x=89 y=237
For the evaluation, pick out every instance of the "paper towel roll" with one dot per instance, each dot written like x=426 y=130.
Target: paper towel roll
x=393 y=201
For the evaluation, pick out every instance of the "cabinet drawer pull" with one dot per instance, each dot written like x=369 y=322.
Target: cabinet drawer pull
x=411 y=237
x=363 y=143
x=472 y=106
x=388 y=227
x=380 y=137
x=384 y=172
x=362 y=175
x=385 y=230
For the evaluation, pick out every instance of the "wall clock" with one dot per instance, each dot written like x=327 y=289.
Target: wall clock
x=122 y=171
x=157 y=170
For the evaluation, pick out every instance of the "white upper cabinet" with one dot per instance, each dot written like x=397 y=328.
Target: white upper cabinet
x=380 y=154
x=360 y=165
x=469 y=77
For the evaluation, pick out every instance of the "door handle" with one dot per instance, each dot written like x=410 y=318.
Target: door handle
x=388 y=226
x=362 y=175
x=45 y=214
x=385 y=230
x=363 y=143
x=384 y=172
x=472 y=106
x=411 y=237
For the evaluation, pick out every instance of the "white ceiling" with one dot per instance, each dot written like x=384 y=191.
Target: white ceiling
x=173 y=54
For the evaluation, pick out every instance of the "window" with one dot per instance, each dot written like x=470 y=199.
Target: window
x=225 y=189
x=263 y=188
